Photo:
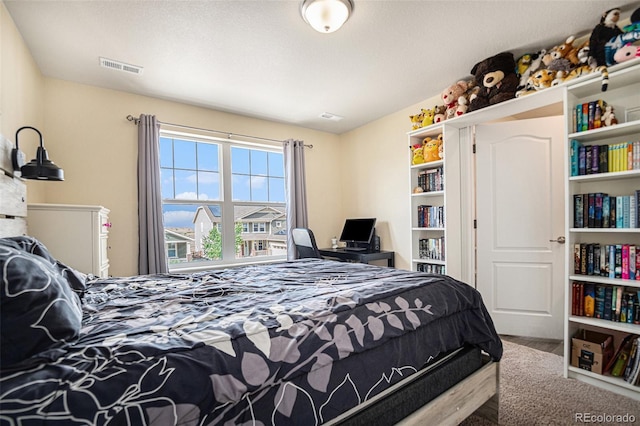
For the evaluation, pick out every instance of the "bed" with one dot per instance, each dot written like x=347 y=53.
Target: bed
x=302 y=342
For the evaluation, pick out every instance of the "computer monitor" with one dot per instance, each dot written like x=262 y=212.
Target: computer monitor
x=358 y=232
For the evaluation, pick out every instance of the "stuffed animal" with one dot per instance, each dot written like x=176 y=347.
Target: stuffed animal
x=416 y=120
x=430 y=150
x=562 y=57
x=602 y=33
x=451 y=95
x=523 y=67
x=608 y=116
x=440 y=147
x=584 y=70
x=621 y=47
x=497 y=79
x=439 y=115
x=540 y=80
x=418 y=153
x=626 y=52
x=428 y=117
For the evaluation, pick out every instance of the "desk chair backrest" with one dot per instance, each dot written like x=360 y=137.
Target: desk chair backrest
x=305 y=243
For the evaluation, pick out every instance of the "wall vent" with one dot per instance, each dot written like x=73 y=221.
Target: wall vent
x=120 y=66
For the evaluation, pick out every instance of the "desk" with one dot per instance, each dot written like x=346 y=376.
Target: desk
x=359 y=256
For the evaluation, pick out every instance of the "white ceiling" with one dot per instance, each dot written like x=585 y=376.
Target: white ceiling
x=260 y=59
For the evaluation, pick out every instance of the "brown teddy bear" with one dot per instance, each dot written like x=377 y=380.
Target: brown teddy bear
x=497 y=80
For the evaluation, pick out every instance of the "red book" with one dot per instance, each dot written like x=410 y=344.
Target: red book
x=625 y=262
x=581 y=297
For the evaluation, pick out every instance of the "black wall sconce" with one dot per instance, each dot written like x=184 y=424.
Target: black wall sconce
x=41 y=167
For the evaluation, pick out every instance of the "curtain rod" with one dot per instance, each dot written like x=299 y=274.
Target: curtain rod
x=229 y=135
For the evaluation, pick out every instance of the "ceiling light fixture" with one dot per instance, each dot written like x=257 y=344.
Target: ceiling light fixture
x=326 y=16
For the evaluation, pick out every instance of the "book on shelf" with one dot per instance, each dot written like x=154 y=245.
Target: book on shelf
x=625 y=362
x=431 y=180
x=600 y=210
x=431 y=268
x=431 y=248
x=588 y=115
x=617 y=303
x=430 y=216
x=604 y=158
x=607 y=260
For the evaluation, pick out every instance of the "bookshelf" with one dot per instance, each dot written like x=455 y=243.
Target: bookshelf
x=440 y=232
x=590 y=259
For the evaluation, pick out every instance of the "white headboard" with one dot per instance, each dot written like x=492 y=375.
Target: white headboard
x=13 y=195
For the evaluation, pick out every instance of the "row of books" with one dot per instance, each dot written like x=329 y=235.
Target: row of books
x=625 y=362
x=431 y=248
x=593 y=159
x=588 y=115
x=431 y=268
x=608 y=260
x=608 y=302
x=431 y=179
x=430 y=216
x=600 y=210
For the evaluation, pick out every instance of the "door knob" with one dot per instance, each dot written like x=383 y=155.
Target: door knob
x=560 y=240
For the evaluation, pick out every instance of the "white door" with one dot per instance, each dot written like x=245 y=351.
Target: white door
x=520 y=211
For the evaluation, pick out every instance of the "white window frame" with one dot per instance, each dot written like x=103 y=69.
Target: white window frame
x=227 y=207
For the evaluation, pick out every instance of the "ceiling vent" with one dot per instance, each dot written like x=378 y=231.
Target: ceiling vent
x=120 y=66
x=329 y=116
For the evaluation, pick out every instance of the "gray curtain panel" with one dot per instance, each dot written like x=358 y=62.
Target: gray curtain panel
x=296 y=190
x=152 y=257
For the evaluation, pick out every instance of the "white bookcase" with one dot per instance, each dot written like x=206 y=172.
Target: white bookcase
x=441 y=237
x=75 y=235
x=623 y=94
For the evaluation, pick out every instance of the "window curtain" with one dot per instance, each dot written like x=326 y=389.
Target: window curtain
x=151 y=255
x=296 y=191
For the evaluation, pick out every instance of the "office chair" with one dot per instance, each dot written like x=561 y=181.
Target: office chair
x=305 y=243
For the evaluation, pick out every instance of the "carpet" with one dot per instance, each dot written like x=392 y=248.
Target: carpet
x=533 y=391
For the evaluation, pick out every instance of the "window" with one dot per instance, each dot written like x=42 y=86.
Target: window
x=216 y=194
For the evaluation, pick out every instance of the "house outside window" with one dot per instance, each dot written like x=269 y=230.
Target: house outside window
x=219 y=198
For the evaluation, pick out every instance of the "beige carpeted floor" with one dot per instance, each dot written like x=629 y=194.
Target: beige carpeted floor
x=533 y=391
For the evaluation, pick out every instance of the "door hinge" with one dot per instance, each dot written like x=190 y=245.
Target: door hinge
x=474 y=148
x=475 y=224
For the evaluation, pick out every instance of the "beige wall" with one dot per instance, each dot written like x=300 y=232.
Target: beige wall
x=91 y=139
x=21 y=92
x=358 y=174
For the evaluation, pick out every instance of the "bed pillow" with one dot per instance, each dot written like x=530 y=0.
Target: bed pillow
x=38 y=309
x=76 y=279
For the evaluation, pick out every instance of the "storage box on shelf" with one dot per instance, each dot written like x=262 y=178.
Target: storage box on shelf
x=603 y=235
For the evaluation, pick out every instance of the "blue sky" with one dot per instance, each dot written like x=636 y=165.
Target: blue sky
x=195 y=170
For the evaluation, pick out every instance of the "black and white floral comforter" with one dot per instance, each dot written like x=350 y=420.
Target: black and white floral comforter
x=290 y=343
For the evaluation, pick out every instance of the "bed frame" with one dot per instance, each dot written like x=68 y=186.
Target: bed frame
x=477 y=393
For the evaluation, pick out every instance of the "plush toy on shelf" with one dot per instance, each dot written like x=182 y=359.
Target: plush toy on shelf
x=608 y=116
x=440 y=147
x=451 y=97
x=428 y=117
x=624 y=47
x=563 y=57
x=416 y=120
x=497 y=79
x=527 y=64
x=540 y=80
x=430 y=149
x=602 y=33
x=439 y=113
x=418 y=153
